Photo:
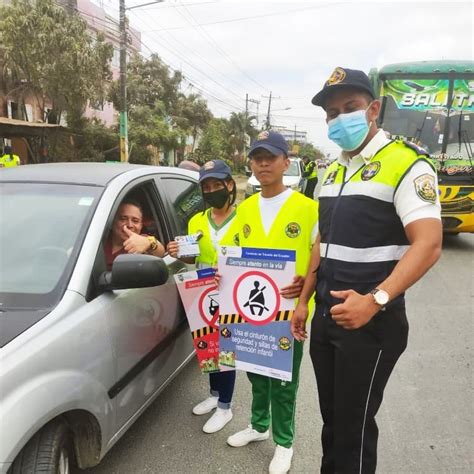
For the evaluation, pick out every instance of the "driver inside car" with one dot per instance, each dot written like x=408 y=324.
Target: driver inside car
x=126 y=237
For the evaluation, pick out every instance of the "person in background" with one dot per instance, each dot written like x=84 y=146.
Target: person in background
x=126 y=237
x=8 y=159
x=219 y=193
x=311 y=174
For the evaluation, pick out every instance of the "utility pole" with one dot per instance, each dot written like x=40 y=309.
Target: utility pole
x=123 y=76
x=267 y=123
x=123 y=86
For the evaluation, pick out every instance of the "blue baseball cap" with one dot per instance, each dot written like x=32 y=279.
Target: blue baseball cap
x=214 y=169
x=343 y=78
x=270 y=141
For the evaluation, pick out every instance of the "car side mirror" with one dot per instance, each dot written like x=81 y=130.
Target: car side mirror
x=134 y=271
x=248 y=173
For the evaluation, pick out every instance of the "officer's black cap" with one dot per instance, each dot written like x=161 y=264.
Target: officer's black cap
x=343 y=78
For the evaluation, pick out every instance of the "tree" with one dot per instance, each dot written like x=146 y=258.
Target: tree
x=50 y=53
x=214 y=143
x=308 y=149
x=160 y=115
x=240 y=125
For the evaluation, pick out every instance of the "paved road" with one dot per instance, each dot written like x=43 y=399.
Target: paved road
x=426 y=421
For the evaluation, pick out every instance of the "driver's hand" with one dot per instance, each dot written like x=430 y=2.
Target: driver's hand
x=135 y=243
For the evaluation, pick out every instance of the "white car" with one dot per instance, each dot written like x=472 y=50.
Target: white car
x=293 y=179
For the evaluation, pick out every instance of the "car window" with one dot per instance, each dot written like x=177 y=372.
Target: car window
x=142 y=213
x=185 y=198
x=41 y=229
x=293 y=169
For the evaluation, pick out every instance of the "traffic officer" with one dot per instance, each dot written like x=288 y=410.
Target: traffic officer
x=276 y=218
x=379 y=232
x=8 y=159
x=311 y=174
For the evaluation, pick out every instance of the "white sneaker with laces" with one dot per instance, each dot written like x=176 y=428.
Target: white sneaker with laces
x=244 y=437
x=218 y=420
x=281 y=461
x=206 y=406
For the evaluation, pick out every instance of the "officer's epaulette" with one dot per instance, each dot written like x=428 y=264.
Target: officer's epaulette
x=418 y=150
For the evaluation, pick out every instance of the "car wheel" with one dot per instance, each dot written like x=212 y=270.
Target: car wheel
x=48 y=452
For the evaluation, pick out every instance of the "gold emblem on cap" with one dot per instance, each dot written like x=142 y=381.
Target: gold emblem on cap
x=209 y=165
x=337 y=76
x=263 y=135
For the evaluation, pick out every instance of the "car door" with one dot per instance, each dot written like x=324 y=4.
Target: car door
x=146 y=325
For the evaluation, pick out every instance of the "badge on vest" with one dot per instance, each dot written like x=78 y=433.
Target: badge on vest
x=425 y=187
x=370 y=170
x=331 y=177
x=246 y=230
x=292 y=230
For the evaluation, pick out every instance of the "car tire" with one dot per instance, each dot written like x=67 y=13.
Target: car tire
x=48 y=452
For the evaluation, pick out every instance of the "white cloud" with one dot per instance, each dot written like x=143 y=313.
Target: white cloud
x=292 y=54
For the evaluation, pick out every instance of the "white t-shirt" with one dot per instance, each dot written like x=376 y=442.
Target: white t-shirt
x=408 y=205
x=217 y=233
x=270 y=207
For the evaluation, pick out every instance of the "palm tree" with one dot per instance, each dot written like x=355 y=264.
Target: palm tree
x=241 y=126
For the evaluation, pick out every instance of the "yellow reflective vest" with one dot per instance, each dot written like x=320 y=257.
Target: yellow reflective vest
x=8 y=161
x=291 y=229
x=202 y=222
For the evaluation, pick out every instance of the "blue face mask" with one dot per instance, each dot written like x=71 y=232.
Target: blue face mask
x=349 y=130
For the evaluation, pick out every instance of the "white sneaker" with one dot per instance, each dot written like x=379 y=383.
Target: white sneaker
x=218 y=420
x=206 y=406
x=244 y=437
x=281 y=461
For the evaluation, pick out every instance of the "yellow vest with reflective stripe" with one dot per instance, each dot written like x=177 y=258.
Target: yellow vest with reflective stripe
x=8 y=161
x=200 y=222
x=314 y=172
x=291 y=229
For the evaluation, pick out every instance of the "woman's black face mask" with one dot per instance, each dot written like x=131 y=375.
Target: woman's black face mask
x=217 y=199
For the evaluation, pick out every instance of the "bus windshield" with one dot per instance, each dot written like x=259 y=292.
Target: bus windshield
x=417 y=110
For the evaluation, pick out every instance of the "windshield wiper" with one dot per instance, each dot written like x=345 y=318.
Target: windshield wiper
x=463 y=137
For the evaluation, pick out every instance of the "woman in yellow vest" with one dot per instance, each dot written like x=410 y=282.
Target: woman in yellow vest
x=219 y=192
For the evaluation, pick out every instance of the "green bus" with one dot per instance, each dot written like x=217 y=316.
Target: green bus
x=431 y=103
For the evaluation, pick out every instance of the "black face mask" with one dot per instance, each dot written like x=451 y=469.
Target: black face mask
x=217 y=199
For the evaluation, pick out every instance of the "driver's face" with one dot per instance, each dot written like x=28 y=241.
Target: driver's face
x=128 y=216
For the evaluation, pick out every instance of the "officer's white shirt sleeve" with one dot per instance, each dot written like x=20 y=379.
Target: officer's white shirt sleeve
x=409 y=205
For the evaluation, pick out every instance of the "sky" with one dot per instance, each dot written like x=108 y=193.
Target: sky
x=227 y=49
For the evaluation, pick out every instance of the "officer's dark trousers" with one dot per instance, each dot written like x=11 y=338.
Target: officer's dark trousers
x=310 y=185
x=352 y=369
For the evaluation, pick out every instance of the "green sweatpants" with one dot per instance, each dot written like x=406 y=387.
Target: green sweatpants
x=281 y=396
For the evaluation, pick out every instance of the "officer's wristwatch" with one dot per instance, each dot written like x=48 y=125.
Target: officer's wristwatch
x=381 y=297
x=153 y=243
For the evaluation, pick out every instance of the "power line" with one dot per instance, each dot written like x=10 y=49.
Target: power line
x=178 y=54
x=265 y=15
x=220 y=50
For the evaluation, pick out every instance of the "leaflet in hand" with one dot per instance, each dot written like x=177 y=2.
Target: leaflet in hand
x=188 y=245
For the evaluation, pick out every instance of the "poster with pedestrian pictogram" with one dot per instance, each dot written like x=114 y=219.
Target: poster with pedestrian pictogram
x=199 y=294
x=254 y=321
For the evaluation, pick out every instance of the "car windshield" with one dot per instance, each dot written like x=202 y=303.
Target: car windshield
x=293 y=169
x=41 y=228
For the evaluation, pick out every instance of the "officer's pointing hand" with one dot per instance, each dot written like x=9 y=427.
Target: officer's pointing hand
x=356 y=310
x=135 y=243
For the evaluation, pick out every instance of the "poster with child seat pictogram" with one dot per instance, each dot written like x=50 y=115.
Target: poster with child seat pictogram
x=254 y=321
x=200 y=297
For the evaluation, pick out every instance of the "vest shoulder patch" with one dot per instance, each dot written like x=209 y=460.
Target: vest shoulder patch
x=370 y=170
x=425 y=187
